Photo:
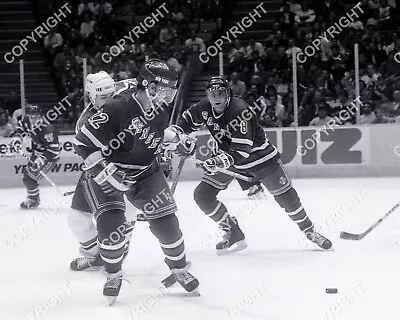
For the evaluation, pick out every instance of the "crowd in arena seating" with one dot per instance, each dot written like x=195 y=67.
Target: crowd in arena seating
x=262 y=71
x=94 y=27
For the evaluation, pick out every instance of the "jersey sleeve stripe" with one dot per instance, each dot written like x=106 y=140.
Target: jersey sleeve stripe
x=262 y=147
x=79 y=143
x=258 y=161
x=243 y=154
x=187 y=112
x=242 y=141
x=92 y=138
x=53 y=151
x=131 y=166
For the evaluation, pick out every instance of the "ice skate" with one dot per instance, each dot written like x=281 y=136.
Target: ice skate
x=112 y=287
x=93 y=263
x=232 y=241
x=319 y=240
x=256 y=192
x=30 y=203
x=186 y=279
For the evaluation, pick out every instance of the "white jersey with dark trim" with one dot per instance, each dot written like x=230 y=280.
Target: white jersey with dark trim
x=236 y=131
x=124 y=133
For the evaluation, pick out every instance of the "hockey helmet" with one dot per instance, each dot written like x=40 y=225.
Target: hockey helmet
x=99 y=87
x=218 y=93
x=161 y=73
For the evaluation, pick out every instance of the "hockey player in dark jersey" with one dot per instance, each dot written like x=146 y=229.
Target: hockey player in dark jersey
x=244 y=148
x=44 y=148
x=99 y=89
x=119 y=145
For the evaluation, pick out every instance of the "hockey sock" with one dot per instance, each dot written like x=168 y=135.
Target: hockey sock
x=221 y=216
x=291 y=203
x=205 y=196
x=32 y=187
x=111 y=240
x=168 y=233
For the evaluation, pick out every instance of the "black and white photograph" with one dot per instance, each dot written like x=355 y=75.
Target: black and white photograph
x=200 y=159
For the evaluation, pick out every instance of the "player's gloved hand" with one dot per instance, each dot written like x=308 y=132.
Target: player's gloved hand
x=107 y=175
x=221 y=161
x=178 y=142
x=36 y=162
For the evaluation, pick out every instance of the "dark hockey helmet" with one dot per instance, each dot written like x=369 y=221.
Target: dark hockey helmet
x=218 y=93
x=161 y=73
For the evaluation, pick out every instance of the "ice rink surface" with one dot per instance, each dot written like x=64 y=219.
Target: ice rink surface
x=280 y=276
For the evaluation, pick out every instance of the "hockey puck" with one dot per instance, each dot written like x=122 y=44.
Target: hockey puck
x=331 y=290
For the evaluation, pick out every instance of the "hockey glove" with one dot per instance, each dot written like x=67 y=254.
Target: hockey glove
x=107 y=175
x=220 y=162
x=36 y=162
x=178 y=142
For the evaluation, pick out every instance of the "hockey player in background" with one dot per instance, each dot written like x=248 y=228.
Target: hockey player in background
x=243 y=148
x=44 y=151
x=119 y=145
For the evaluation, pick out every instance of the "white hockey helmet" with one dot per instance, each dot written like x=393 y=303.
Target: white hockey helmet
x=100 y=85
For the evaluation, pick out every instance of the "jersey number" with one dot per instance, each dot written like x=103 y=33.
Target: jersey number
x=98 y=118
x=49 y=137
x=243 y=127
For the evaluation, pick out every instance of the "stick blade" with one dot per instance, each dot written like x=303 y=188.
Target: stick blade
x=349 y=236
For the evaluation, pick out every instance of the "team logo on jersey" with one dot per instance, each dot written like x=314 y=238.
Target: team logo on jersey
x=136 y=125
x=204 y=114
x=282 y=180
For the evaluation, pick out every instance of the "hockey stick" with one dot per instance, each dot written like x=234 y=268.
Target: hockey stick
x=351 y=236
x=177 y=174
x=232 y=174
x=61 y=194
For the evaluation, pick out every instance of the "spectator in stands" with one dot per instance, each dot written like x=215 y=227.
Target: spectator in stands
x=12 y=102
x=167 y=33
x=322 y=118
x=6 y=128
x=254 y=47
x=236 y=57
x=268 y=118
x=53 y=42
x=305 y=14
x=278 y=108
x=237 y=86
x=195 y=44
x=394 y=107
x=367 y=115
x=87 y=27
x=86 y=7
x=370 y=75
x=286 y=18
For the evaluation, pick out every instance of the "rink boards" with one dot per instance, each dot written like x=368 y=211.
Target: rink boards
x=350 y=151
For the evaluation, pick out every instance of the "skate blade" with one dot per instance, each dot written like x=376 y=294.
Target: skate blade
x=111 y=300
x=240 y=245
